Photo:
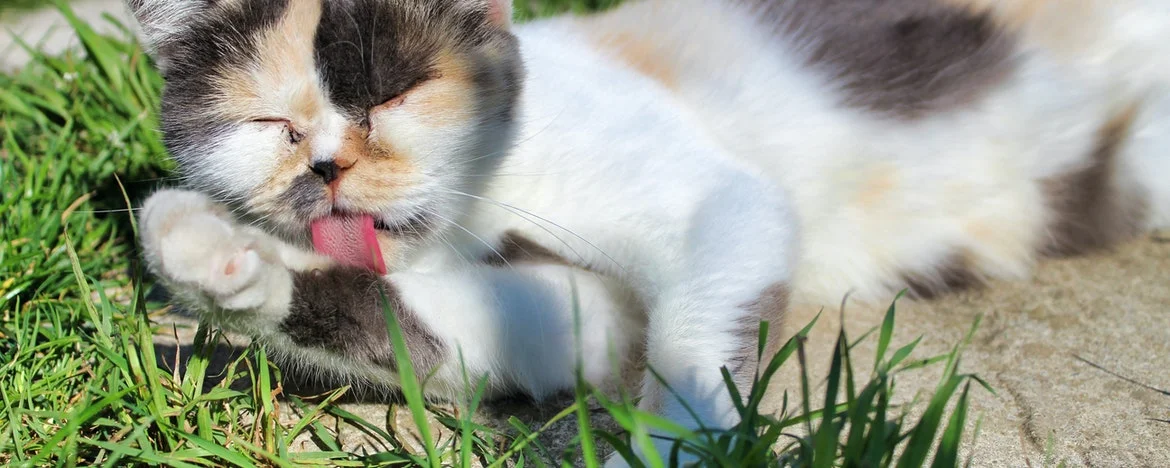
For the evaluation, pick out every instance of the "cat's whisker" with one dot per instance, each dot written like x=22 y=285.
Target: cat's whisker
x=361 y=46
x=350 y=43
x=174 y=178
x=533 y=174
x=519 y=142
x=447 y=242
x=121 y=210
x=443 y=238
x=523 y=215
x=472 y=234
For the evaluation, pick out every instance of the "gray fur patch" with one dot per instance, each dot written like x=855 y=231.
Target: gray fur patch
x=769 y=307
x=340 y=311
x=306 y=196
x=1092 y=207
x=902 y=58
x=953 y=273
x=515 y=248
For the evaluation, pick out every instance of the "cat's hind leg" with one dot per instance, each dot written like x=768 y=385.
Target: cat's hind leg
x=1146 y=158
x=1124 y=47
x=734 y=271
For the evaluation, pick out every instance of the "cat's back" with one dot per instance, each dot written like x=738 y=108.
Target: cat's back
x=889 y=116
x=896 y=57
x=772 y=78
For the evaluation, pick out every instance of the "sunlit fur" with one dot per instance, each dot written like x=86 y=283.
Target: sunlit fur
x=707 y=163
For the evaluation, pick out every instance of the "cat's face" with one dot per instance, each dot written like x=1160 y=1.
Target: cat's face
x=295 y=109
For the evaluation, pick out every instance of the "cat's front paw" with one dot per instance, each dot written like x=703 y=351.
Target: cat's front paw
x=192 y=243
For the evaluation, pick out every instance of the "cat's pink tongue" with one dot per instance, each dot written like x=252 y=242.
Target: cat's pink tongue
x=350 y=240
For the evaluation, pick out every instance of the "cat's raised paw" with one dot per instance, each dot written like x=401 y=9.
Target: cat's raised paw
x=193 y=243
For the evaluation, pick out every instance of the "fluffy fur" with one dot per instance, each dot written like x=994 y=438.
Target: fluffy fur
x=704 y=163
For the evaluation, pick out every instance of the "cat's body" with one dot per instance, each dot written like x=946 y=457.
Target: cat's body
x=707 y=163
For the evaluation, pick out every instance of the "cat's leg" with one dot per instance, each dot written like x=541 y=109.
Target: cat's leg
x=734 y=271
x=525 y=325
x=1125 y=45
x=513 y=324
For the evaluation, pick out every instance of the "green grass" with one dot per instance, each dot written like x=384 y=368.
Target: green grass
x=79 y=143
x=6 y=5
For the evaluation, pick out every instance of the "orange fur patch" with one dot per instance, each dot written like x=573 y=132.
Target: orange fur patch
x=876 y=187
x=379 y=169
x=449 y=98
x=639 y=53
x=283 y=84
x=376 y=172
x=354 y=148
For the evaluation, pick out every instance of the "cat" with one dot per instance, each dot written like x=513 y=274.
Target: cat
x=671 y=173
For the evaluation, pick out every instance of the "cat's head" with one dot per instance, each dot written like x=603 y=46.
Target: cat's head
x=291 y=110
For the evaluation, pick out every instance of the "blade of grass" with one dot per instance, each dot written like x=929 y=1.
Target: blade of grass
x=411 y=390
x=213 y=448
x=947 y=454
x=518 y=445
x=828 y=434
x=921 y=437
x=312 y=415
x=81 y=415
x=466 y=424
x=887 y=333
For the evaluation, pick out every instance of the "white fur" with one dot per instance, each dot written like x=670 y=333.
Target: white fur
x=221 y=165
x=328 y=136
x=164 y=19
x=700 y=198
x=517 y=325
x=1148 y=161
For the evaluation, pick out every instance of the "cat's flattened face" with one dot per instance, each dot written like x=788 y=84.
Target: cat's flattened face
x=407 y=99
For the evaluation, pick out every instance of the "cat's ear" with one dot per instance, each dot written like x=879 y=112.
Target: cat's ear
x=161 y=22
x=500 y=13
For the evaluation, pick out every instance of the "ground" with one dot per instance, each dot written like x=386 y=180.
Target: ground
x=1035 y=346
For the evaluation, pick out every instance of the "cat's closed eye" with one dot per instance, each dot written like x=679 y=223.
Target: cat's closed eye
x=398 y=98
x=294 y=136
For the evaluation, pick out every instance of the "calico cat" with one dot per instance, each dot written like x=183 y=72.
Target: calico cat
x=673 y=171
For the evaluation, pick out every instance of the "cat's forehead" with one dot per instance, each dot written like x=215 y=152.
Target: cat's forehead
x=236 y=23
x=360 y=51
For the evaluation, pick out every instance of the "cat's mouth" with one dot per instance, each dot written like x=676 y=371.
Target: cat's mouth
x=353 y=238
